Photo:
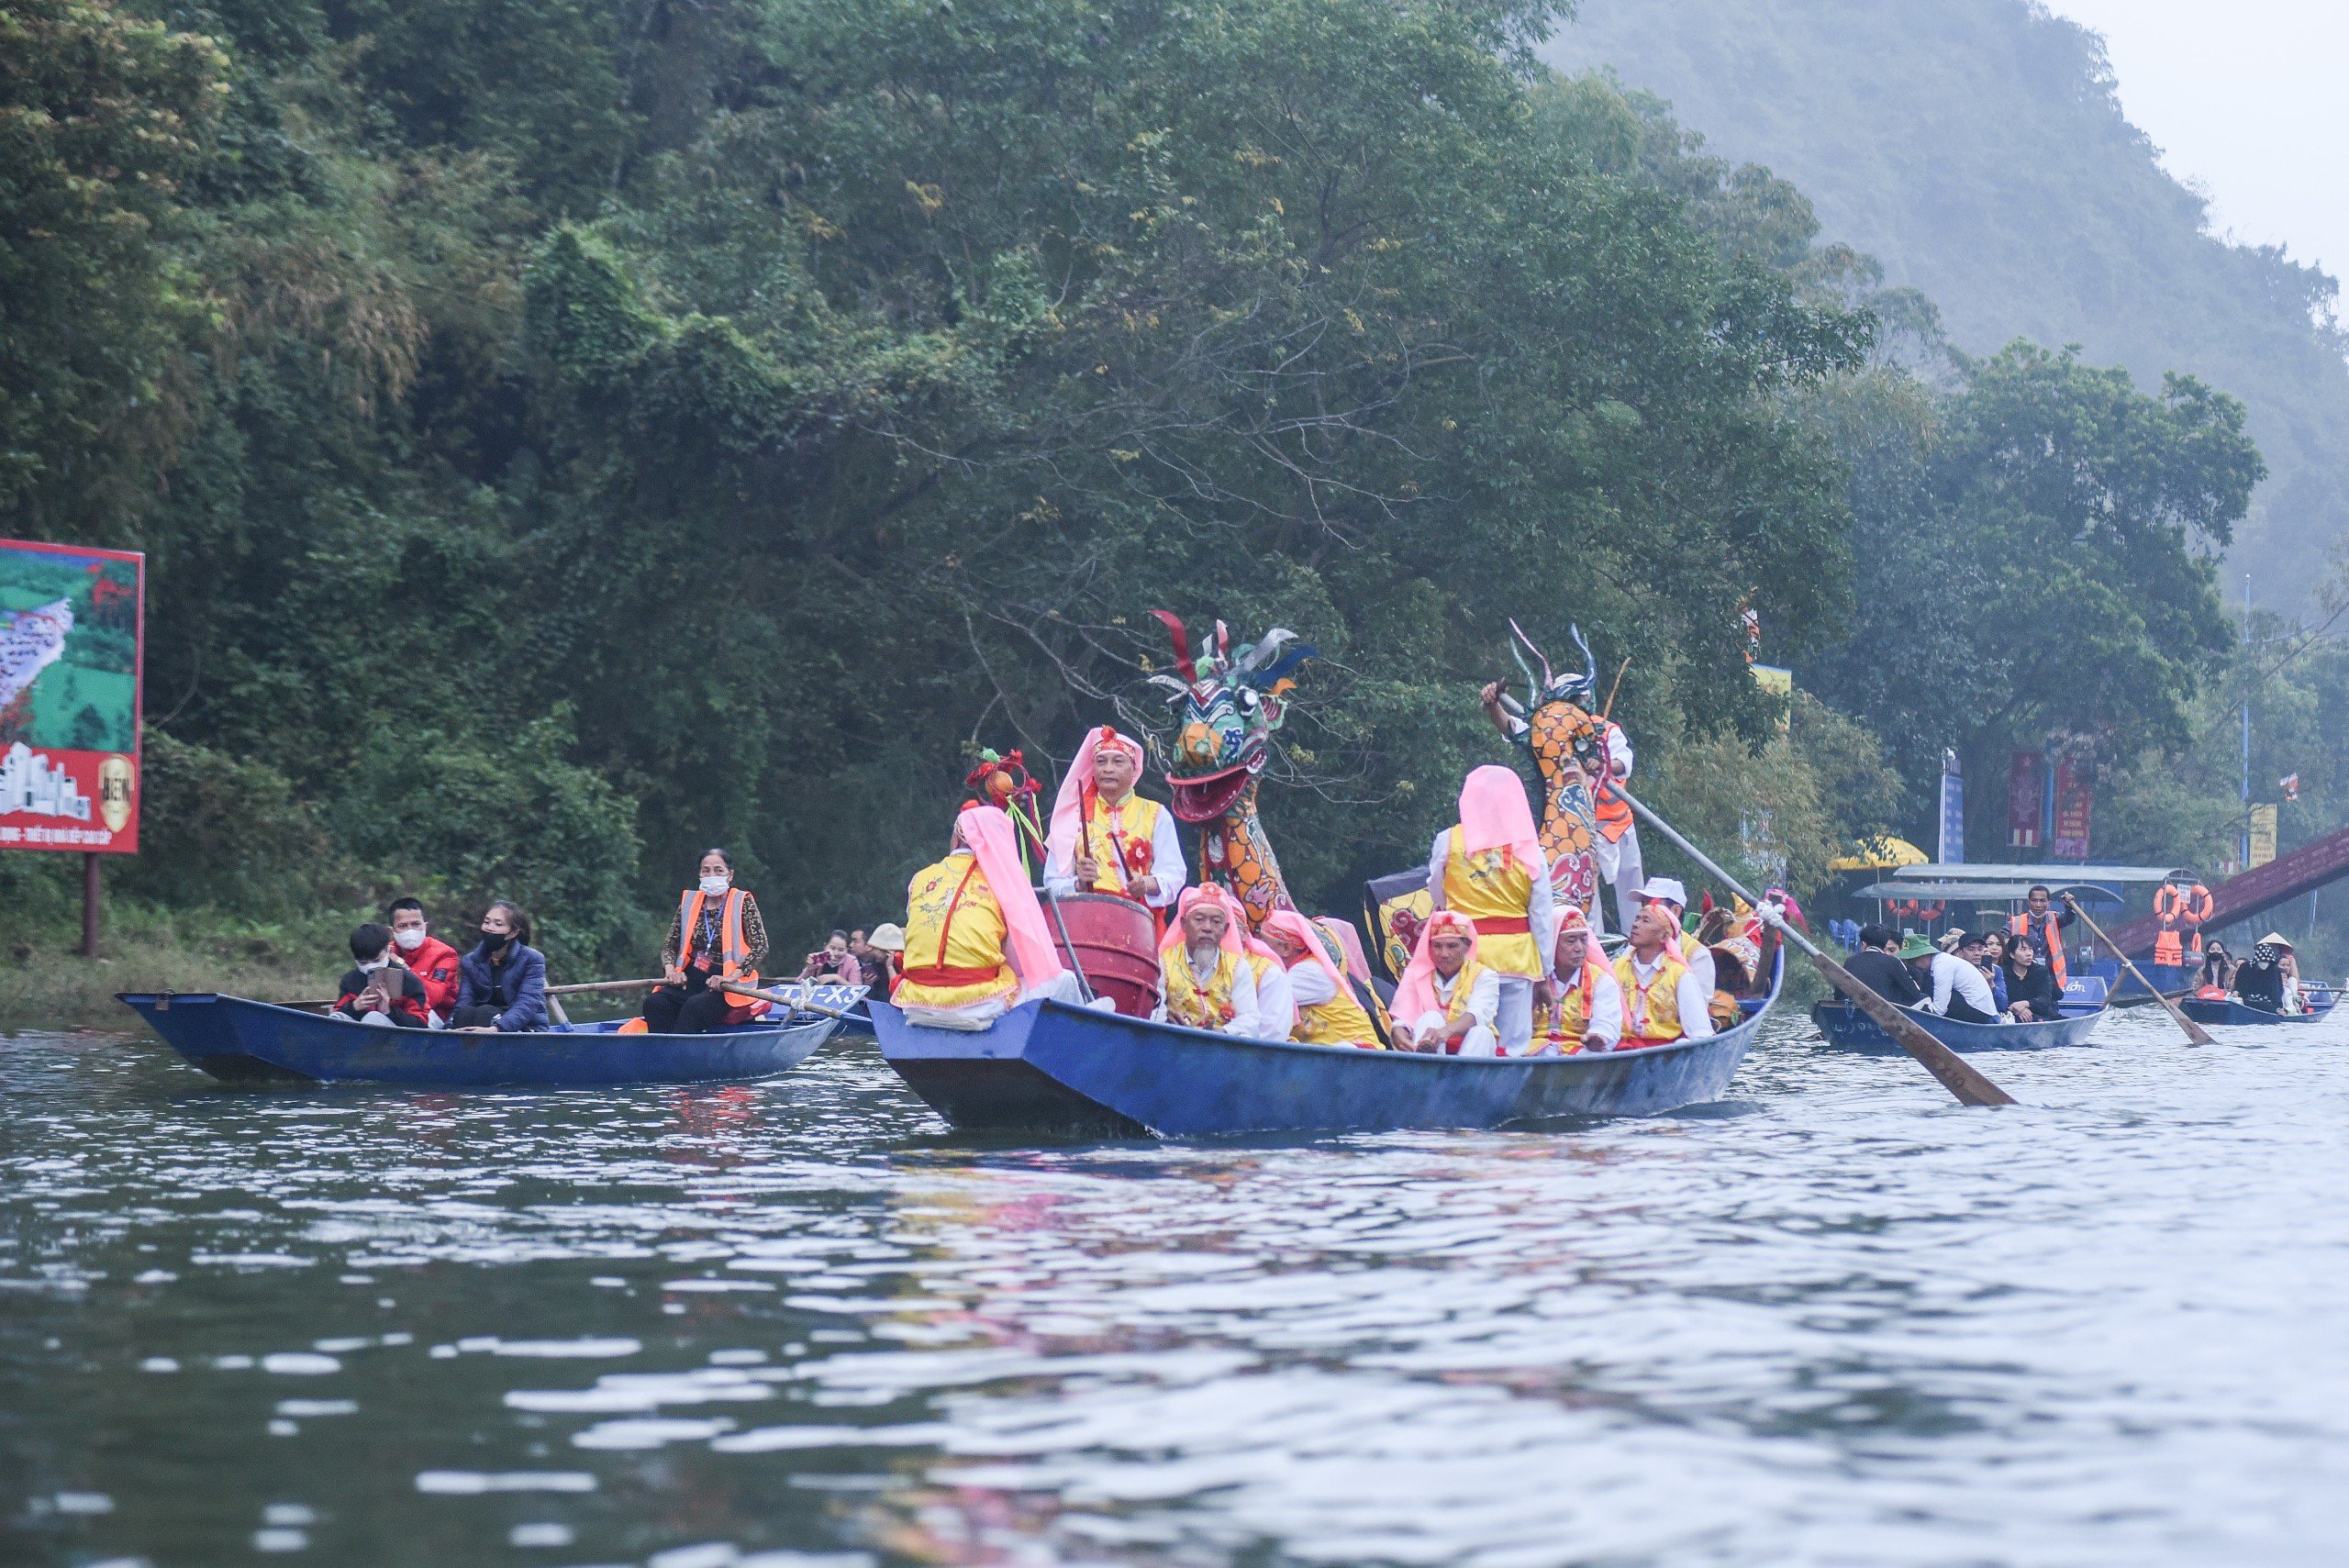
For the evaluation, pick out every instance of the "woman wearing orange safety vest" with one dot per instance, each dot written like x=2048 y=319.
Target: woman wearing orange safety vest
x=717 y=936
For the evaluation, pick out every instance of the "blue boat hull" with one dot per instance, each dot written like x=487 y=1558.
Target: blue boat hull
x=243 y=1041
x=1848 y=1029
x=1046 y=1067
x=2227 y=1010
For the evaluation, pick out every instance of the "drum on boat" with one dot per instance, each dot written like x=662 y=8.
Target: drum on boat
x=1116 y=944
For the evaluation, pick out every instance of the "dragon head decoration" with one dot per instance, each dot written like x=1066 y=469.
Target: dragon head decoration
x=1227 y=703
x=1557 y=707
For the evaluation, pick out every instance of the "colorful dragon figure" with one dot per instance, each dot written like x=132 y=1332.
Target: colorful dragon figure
x=1569 y=745
x=1227 y=703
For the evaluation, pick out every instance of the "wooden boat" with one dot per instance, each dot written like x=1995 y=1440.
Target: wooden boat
x=2227 y=1010
x=243 y=1041
x=1848 y=1029
x=1048 y=1067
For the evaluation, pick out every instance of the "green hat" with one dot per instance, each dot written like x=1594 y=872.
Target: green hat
x=1916 y=946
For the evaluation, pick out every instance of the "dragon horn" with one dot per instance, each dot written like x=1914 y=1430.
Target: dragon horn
x=1182 y=642
x=1533 y=692
x=1222 y=641
x=1589 y=662
x=1257 y=657
x=1547 y=677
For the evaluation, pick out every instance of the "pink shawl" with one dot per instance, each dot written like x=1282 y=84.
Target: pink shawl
x=1304 y=933
x=1172 y=944
x=1415 y=995
x=1349 y=943
x=987 y=831
x=1570 y=916
x=1494 y=814
x=1068 y=806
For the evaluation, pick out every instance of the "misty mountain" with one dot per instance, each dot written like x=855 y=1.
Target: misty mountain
x=1978 y=150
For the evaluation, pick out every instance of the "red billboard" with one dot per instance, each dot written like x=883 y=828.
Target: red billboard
x=73 y=651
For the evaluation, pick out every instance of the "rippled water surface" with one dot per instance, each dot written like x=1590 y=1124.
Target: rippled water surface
x=801 y=1325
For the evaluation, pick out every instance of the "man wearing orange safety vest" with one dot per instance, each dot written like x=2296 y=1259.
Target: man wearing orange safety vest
x=2181 y=906
x=2045 y=926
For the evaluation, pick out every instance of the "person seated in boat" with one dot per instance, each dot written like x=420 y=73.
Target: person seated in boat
x=379 y=989
x=1877 y=966
x=2295 y=997
x=1489 y=867
x=833 y=964
x=1449 y=1000
x=1328 y=1012
x=2217 y=975
x=883 y=957
x=1951 y=982
x=2259 y=980
x=1206 y=979
x=1664 y=998
x=502 y=983
x=1343 y=943
x=1275 y=996
x=2028 y=993
x=1668 y=892
x=1586 y=1010
x=977 y=941
x=427 y=957
x=1106 y=839
x=715 y=936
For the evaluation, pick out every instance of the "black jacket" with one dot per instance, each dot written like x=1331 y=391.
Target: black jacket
x=2035 y=985
x=1886 y=975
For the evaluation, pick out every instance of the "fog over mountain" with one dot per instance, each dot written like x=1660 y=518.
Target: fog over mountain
x=1976 y=148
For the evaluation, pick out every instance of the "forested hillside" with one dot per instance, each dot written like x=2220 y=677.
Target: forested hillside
x=566 y=435
x=1975 y=148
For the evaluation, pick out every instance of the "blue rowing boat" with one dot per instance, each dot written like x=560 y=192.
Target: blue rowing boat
x=2227 y=1010
x=1048 y=1067
x=243 y=1041
x=1848 y=1029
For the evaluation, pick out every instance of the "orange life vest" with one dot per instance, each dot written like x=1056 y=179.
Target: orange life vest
x=732 y=954
x=2174 y=909
x=1613 y=812
x=2049 y=941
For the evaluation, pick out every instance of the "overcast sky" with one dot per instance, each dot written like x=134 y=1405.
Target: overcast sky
x=2249 y=100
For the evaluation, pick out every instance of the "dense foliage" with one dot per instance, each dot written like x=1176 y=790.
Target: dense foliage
x=571 y=434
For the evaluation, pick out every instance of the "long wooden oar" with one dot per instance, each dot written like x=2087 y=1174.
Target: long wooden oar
x=1959 y=1076
x=2195 y=1033
x=798 y=1003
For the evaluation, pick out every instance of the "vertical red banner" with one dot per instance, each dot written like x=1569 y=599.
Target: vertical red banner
x=2074 y=796
x=72 y=646
x=2025 y=785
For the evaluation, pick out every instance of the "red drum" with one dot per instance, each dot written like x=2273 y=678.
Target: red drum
x=1117 y=946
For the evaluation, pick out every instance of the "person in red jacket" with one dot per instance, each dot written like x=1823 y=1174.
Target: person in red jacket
x=428 y=958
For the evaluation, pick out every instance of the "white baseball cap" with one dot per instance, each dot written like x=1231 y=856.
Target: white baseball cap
x=1667 y=890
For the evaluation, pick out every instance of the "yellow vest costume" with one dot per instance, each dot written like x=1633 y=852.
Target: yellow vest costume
x=1492 y=889
x=1126 y=833
x=954 y=938
x=1188 y=1004
x=1338 y=1021
x=1461 y=987
x=1566 y=1023
x=1652 y=1012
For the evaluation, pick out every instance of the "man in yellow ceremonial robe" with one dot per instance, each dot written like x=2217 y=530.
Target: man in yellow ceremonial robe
x=1663 y=999
x=977 y=944
x=1104 y=838
x=1489 y=867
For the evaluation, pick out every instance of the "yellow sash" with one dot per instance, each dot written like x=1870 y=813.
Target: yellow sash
x=1651 y=1011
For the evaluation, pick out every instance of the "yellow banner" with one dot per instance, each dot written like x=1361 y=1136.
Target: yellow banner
x=2263 y=834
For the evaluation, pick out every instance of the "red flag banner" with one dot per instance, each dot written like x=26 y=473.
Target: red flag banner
x=2074 y=796
x=2025 y=786
x=71 y=643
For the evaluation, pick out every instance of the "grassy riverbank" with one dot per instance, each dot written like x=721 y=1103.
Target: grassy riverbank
x=46 y=984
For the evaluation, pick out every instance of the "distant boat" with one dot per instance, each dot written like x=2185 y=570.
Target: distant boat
x=1848 y=1029
x=1048 y=1067
x=2227 y=1010
x=243 y=1041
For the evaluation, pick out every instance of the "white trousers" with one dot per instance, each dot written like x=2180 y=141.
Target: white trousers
x=1513 y=1019
x=1478 y=1042
x=975 y=1016
x=1619 y=863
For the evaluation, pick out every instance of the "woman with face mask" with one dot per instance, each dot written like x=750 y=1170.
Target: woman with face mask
x=718 y=935
x=502 y=983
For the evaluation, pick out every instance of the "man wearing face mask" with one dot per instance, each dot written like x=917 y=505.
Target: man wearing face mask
x=428 y=958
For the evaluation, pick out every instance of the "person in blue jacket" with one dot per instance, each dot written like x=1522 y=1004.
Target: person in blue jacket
x=502 y=983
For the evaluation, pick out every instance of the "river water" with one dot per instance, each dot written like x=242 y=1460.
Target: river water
x=798 y=1324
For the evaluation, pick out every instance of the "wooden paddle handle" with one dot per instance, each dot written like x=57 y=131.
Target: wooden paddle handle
x=797 y=1004
x=605 y=986
x=2195 y=1033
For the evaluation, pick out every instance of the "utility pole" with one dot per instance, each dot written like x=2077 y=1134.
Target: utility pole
x=2243 y=844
